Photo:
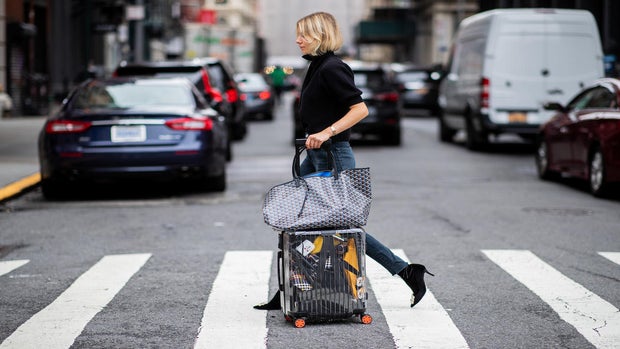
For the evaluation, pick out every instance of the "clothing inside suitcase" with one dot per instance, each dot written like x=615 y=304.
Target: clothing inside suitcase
x=325 y=275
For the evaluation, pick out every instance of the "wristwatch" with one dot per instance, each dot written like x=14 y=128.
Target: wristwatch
x=333 y=129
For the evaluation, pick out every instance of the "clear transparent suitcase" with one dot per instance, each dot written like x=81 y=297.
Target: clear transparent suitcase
x=322 y=275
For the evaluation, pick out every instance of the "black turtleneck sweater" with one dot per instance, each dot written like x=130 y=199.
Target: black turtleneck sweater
x=327 y=94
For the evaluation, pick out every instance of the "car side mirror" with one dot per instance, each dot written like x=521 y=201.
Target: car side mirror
x=554 y=106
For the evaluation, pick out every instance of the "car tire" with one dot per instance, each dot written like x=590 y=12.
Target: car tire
x=229 y=152
x=542 y=161
x=392 y=137
x=596 y=174
x=217 y=183
x=53 y=190
x=446 y=134
x=474 y=140
x=239 y=131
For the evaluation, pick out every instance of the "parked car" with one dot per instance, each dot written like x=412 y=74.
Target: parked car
x=210 y=75
x=582 y=139
x=418 y=88
x=381 y=98
x=133 y=128
x=504 y=62
x=257 y=95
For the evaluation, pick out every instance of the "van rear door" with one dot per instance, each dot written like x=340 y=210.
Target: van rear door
x=533 y=67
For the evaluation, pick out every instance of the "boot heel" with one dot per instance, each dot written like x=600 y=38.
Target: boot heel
x=413 y=275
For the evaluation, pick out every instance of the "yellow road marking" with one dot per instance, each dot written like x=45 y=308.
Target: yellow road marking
x=17 y=186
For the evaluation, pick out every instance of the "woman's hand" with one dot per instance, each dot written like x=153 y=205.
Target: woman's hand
x=315 y=140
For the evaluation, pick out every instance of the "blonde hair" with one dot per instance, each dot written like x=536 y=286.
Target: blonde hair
x=322 y=32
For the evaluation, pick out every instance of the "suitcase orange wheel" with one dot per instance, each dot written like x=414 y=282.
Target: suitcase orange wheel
x=299 y=323
x=366 y=319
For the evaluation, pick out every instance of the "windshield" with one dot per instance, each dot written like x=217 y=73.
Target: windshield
x=251 y=81
x=369 y=79
x=412 y=76
x=132 y=95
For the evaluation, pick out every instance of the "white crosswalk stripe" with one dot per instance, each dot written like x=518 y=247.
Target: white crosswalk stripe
x=596 y=319
x=8 y=266
x=244 y=277
x=58 y=324
x=612 y=256
x=427 y=325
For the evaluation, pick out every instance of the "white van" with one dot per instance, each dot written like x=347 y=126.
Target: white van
x=506 y=63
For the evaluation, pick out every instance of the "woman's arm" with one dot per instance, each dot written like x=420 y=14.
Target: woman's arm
x=356 y=113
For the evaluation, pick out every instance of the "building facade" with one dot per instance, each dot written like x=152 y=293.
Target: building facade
x=48 y=46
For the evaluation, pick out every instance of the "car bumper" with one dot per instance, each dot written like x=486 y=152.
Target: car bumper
x=516 y=128
x=117 y=166
x=259 y=108
x=378 y=122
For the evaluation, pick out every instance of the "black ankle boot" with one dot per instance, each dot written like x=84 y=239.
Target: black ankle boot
x=273 y=304
x=413 y=275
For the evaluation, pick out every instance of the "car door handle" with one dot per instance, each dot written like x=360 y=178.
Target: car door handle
x=563 y=129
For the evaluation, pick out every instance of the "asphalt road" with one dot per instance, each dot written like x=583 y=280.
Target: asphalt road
x=519 y=262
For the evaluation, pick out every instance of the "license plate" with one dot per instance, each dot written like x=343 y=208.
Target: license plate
x=128 y=133
x=517 y=117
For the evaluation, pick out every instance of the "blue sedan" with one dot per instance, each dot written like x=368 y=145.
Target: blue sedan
x=133 y=128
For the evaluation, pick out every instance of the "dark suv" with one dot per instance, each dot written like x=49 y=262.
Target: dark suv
x=210 y=75
x=418 y=88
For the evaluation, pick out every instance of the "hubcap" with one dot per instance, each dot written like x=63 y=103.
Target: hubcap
x=596 y=171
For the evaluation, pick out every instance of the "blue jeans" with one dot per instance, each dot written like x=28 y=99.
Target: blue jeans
x=316 y=160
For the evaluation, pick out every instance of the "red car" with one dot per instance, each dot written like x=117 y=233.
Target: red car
x=582 y=139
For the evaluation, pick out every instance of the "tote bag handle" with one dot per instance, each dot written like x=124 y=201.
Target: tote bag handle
x=300 y=146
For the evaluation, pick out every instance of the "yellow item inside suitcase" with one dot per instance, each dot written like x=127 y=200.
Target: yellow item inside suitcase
x=350 y=257
x=318 y=245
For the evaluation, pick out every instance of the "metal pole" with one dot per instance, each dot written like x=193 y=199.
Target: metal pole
x=139 y=37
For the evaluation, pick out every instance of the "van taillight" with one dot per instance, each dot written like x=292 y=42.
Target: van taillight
x=190 y=124
x=66 y=126
x=484 y=92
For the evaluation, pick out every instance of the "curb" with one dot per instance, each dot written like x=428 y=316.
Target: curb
x=19 y=186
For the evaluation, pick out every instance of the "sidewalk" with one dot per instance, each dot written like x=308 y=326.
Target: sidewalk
x=18 y=154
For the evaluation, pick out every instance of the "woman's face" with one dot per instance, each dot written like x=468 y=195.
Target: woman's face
x=304 y=44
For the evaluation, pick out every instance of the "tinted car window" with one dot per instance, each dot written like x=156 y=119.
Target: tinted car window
x=370 y=79
x=582 y=100
x=601 y=98
x=596 y=97
x=131 y=95
x=217 y=78
x=412 y=76
x=470 y=60
x=252 y=81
